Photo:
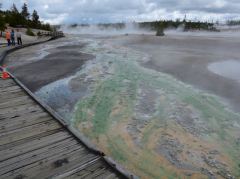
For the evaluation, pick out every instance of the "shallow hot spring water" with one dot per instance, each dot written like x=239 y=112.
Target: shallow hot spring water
x=229 y=69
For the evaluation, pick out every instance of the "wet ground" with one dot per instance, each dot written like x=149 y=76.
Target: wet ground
x=58 y=63
x=187 y=58
x=156 y=105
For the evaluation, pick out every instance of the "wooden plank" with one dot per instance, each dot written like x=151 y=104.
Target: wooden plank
x=16 y=109
x=7 y=82
x=16 y=102
x=57 y=148
x=8 y=96
x=23 y=121
x=112 y=176
x=6 y=85
x=37 y=169
x=74 y=161
x=18 y=119
x=41 y=156
x=17 y=98
x=77 y=169
x=11 y=92
x=106 y=174
x=49 y=169
x=89 y=169
x=34 y=144
x=29 y=139
x=10 y=89
x=20 y=111
x=27 y=132
x=29 y=128
x=96 y=172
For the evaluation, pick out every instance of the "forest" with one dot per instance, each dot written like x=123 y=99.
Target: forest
x=21 y=18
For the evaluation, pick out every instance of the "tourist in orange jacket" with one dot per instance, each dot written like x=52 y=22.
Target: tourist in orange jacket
x=8 y=37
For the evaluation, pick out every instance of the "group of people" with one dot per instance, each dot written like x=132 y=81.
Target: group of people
x=10 y=37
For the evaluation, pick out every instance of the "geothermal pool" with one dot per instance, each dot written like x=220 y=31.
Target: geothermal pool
x=152 y=123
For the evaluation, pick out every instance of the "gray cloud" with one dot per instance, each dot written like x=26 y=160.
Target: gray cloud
x=94 y=11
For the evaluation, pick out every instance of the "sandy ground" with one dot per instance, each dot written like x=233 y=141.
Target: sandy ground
x=187 y=57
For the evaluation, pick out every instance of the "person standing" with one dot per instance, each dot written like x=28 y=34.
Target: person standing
x=8 y=38
x=19 y=37
x=13 y=37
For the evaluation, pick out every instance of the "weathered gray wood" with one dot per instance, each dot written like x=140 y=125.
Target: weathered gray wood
x=19 y=119
x=59 y=148
x=22 y=108
x=10 y=89
x=45 y=161
x=77 y=169
x=33 y=143
x=85 y=172
x=19 y=134
x=107 y=174
x=96 y=172
x=20 y=111
x=16 y=102
x=25 y=123
x=3 y=86
x=6 y=83
x=30 y=139
x=75 y=160
x=47 y=167
x=17 y=98
x=6 y=97
x=91 y=171
x=112 y=176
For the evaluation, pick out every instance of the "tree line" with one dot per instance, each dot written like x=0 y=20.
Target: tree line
x=186 y=25
x=23 y=18
x=159 y=25
x=233 y=22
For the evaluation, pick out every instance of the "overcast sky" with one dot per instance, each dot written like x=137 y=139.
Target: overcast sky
x=95 y=11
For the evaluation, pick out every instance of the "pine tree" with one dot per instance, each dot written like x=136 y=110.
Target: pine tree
x=25 y=12
x=14 y=9
x=2 y=24
x=160 y=30
x=35 y=18
x=14 y=18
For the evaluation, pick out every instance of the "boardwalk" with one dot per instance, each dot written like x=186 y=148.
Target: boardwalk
x=34 y=145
